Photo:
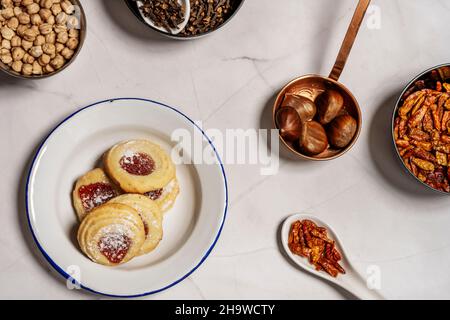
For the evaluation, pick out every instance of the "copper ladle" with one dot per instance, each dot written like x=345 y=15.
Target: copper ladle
x=310 y=86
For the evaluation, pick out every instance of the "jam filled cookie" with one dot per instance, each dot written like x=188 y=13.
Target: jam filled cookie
x=92 y=190
x=111 y=234
x=165 y=197
x=151 y=217
x=139 y=166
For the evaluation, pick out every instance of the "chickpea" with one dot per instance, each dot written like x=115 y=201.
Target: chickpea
x=16 y=41
x=56 y=9
x=7 y=3
x=18 y=53
x=51 y=20
x=36 y=51
x=57 y=62
x=7 y=13
x=6 y=58
x=45 y=28
x=62 y=37
x=6 y=44
x=47 y=4
x=24 y=18
x=59 y=47
x=67 y=6
x=35 y=29
x=37 y=36
x=48 y=69
x=67 y=53
x=7 y=33
x=40 y=40
x=30 y=34
x=61 y=18
x=27 y=69
x=45 y=14
x=26 y=3
x=44 y=59
x=37 y=68
x=60 y=28
x=27 y=58
x=17 y=66
x=13 y=23
x=21 y=29
x=50 y=38
x=49 y=48
x=74 y=33
x=17 y=11
x=72 y=22
x=72 y=43
x=36 y=19
x=33 y=8
x=26 y=44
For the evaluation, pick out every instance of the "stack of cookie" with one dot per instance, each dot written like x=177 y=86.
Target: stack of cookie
x=121 y=207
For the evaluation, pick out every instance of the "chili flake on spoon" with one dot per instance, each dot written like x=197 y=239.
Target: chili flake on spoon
x=308 y=240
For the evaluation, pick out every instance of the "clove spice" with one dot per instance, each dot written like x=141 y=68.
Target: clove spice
x=167 y=14
x=207 y=15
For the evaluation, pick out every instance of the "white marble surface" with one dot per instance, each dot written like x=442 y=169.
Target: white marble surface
x=228 y=80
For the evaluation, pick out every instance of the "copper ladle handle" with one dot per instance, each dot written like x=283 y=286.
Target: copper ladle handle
x=350 y=37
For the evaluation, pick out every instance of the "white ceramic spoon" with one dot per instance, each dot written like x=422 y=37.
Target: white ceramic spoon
x=352 y=281
x=180 y=27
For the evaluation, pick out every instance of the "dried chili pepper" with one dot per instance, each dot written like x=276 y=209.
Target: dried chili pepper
x=308 y=240
x=421 y=129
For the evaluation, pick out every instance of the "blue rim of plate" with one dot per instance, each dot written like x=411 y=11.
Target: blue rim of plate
x=58 y=268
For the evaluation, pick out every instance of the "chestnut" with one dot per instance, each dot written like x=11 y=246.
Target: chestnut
x=289 y=123
x=329 y=104
x=313 y=139
x=341 y=131
x=306 y=108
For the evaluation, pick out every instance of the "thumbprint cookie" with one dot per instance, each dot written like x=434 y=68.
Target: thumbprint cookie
x=165 y=197
x=92 y=190
x=139 y=166
x=111 y=234
x=151 y=217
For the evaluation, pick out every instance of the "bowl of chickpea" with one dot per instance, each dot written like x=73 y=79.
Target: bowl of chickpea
x=40 y=38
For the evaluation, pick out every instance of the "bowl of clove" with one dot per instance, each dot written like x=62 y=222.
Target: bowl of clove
x=421 y=128
x=184 y=19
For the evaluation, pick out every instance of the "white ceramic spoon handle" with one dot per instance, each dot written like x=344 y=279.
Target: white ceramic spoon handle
x=356 y=285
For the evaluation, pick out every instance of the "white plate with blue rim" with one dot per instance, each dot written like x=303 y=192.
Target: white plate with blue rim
x=191 y=228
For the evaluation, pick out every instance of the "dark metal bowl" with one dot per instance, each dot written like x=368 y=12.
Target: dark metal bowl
x=82 y=30
x=134 y=8
x=422 y=76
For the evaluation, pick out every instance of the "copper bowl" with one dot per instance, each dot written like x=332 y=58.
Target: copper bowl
x=310 y=86
x=135 y=10
x=82 y=30
x=422 y=76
